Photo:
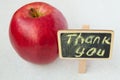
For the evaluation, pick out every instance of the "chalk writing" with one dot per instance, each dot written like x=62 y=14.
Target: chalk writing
x=85 y=45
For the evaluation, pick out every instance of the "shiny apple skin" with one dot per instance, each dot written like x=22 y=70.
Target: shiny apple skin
x=35 y=39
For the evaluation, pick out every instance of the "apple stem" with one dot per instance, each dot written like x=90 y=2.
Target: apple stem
x=34 y=13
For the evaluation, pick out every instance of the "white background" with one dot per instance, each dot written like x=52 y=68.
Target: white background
x=99 y=14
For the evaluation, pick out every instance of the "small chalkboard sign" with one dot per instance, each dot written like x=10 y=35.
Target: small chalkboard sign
x=85 y=44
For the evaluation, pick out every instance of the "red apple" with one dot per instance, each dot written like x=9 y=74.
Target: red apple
x=33 y=32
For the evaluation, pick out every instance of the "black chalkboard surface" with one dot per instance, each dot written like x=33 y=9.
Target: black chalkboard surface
x=84 y=44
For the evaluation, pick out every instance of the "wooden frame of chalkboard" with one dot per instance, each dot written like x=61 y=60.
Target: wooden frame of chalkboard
x=85 y=32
